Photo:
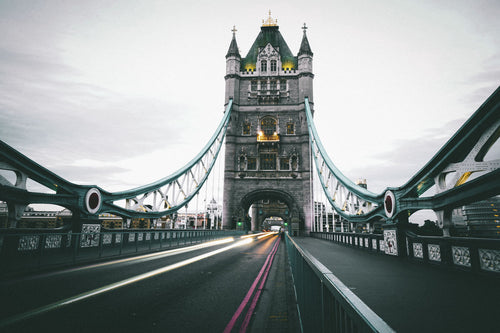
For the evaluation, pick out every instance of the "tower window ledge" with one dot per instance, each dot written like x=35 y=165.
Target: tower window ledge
x=268 y=138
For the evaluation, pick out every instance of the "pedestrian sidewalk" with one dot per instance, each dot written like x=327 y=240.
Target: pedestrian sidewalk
x=411 y=296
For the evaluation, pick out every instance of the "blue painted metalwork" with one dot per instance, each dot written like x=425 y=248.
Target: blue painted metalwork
x=351 y=201
x=461 y=157
x=463 y=153
x=170 y=193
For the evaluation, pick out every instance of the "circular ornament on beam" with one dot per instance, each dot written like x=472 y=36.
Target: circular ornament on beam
x=389 y=204
x=93 y=200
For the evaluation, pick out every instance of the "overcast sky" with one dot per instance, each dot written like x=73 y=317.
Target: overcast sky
x=121 y=93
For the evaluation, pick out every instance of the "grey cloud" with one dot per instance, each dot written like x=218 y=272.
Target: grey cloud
x=92 y=175
x=395 y=167
x=56 y=121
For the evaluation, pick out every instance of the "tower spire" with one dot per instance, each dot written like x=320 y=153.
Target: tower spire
x=233 y=47
x=305 y=48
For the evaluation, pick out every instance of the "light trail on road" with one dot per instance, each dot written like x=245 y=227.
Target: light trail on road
x=261 y=277
x=119 y=284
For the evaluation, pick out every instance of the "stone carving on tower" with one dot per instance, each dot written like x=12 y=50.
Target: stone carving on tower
x=267 y=143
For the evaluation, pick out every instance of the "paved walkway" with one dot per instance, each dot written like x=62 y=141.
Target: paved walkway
x=411 y=296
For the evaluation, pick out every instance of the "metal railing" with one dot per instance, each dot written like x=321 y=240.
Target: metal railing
x=464 y=253
x=28 y=252
x=325 y=303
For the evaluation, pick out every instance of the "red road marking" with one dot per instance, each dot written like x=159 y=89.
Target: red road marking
x=263 y=271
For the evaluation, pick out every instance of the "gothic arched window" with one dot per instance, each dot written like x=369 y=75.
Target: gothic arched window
x=263 y=66
x=268 y=126
x=273 y=65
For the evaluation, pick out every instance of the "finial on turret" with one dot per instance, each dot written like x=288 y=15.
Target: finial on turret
x=270 y=22
x=304 y=27
x=234 y=30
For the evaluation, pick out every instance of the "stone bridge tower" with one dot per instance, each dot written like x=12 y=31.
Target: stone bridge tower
x=267 y=158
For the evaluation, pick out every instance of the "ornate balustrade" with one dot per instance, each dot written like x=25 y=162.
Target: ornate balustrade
x=470 y=254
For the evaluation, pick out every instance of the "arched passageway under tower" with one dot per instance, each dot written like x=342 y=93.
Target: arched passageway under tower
x=263 y=204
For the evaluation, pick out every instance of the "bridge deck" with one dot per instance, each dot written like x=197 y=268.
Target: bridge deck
x=411 y=296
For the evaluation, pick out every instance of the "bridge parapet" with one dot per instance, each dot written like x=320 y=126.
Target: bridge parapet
x=32 y=250
x=325 y=303
x=467 y=254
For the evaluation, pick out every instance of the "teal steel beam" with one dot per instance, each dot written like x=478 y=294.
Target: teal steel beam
x=349 y=184
x=77 y=197
x=456 y=148
x=369 y=204
x=475 y=190
x=482 y=128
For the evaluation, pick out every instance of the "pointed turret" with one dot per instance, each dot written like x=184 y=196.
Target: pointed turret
x=306 y=75
x=233 y=47
x=305 y=48
x=233 y=60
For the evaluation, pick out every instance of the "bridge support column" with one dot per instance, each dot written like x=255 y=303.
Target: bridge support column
x=444 y=221
x=15 y=213
x=78 y=221
x=395 y=235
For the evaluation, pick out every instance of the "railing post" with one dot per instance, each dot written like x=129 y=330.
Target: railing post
x=99 y=252
x=136 y=238
x=42 y=247
x=395 y=235
x=122 y=239
x=76 y=245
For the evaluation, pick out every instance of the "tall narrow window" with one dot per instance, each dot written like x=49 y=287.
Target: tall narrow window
x=246 y=128
x=263 y=66
x=273 y=65
x=272 y=85
x=290 y=128
x=284 y=163
x=254 y=85
x=251 y=163
x=268 y=161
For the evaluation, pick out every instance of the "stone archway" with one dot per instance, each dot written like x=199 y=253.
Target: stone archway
x=288 y=210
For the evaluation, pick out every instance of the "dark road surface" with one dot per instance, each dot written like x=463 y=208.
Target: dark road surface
x=201 y=296
x=410 y=296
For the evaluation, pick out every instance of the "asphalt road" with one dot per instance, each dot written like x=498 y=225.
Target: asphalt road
x=148 y=294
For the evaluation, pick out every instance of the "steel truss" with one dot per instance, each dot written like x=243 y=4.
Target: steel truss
x=458 y=172
x=163 y=197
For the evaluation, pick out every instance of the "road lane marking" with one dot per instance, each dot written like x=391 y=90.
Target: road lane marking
x=116 y=285
x=247 y=297
x=256 y=297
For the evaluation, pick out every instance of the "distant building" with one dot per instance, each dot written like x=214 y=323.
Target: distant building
x=362 y=183
x=480 y=219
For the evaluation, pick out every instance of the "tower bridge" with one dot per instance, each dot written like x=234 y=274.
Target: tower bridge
x=268 y=150
x=274 y=166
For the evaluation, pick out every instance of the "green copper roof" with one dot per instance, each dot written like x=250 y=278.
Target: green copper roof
x=273 y=36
